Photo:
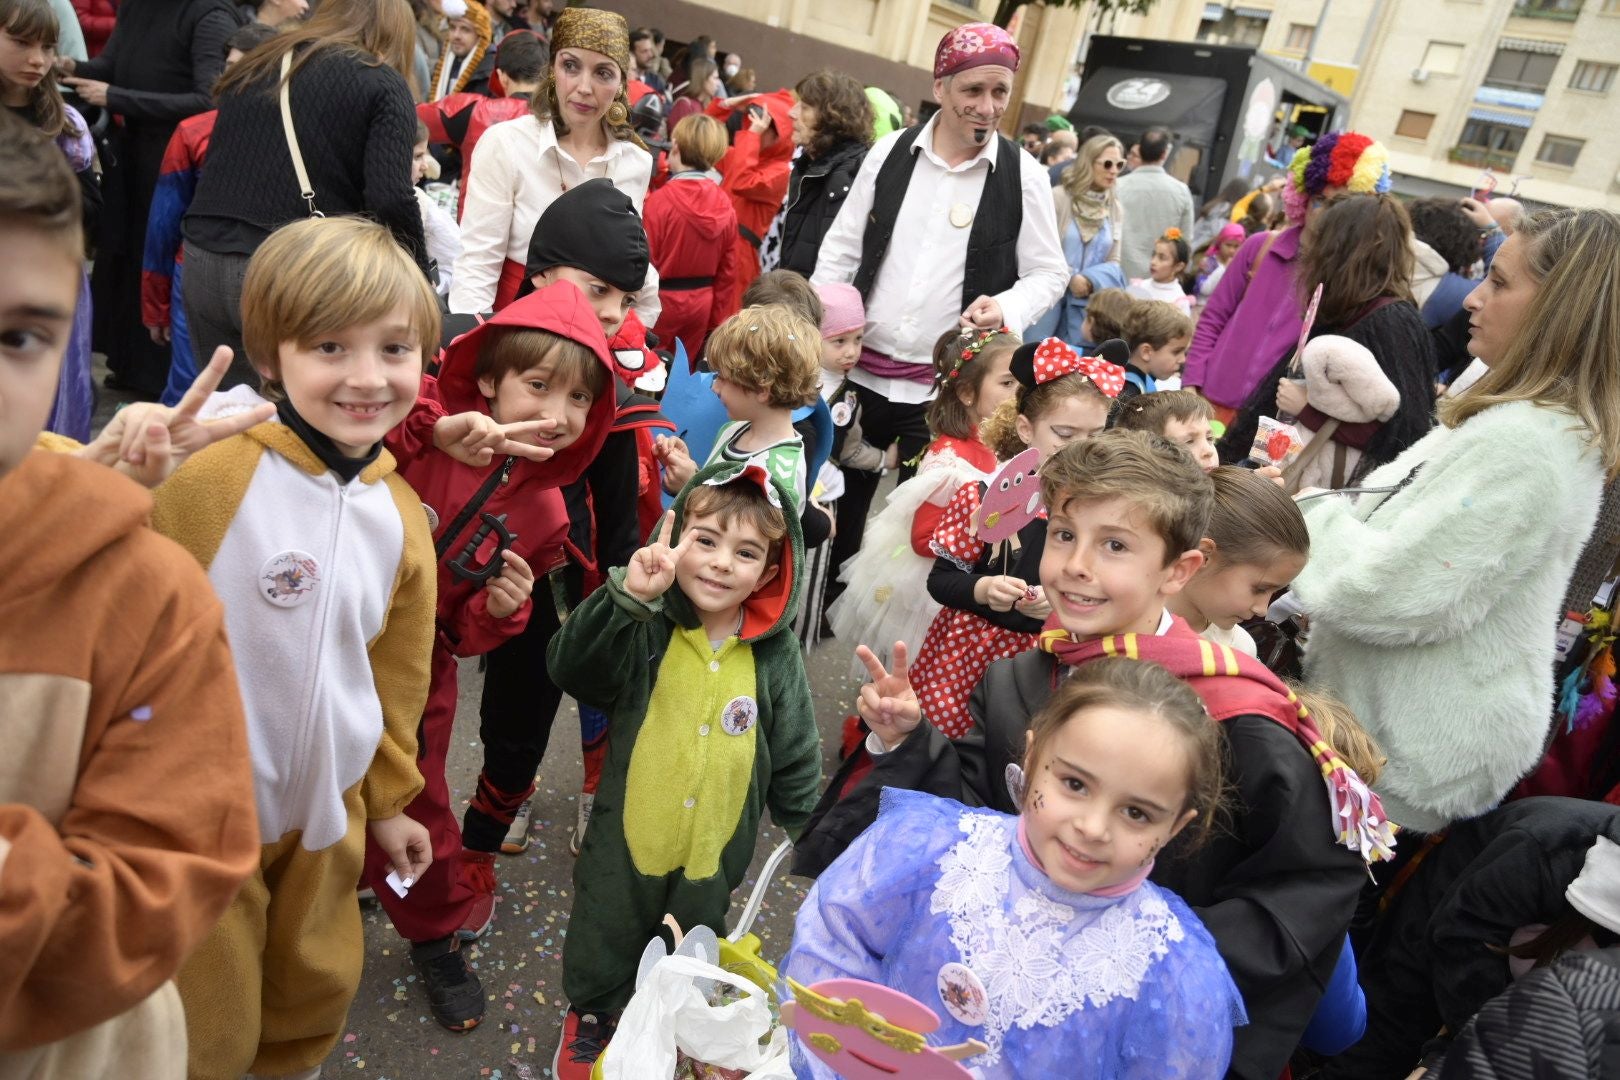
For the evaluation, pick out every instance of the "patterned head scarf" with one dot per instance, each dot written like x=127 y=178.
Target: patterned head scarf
x=974 y=45
x=1348 y=159
x=600 y=31
x=477 y=14
x=605 y=32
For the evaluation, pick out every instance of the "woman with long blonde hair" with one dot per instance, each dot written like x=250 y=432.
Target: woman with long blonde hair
x=1090 y=223
x=1436 y=593
x=347 y=71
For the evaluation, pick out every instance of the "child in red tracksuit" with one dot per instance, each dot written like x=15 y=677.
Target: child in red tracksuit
x=691 y=230
x=535 y=377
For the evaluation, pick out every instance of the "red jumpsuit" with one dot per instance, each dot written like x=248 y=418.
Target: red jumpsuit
x=756 y=178
x=691 y=235
x=532 y=501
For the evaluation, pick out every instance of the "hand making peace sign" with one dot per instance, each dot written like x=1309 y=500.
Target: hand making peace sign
x=888 y=704
x=147 y=441
x=652 y=569
x=474 y=438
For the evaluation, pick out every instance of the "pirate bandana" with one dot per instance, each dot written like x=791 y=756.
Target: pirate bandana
x=974 y=45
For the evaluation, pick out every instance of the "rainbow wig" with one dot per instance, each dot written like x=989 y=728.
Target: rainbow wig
x=1344 y=159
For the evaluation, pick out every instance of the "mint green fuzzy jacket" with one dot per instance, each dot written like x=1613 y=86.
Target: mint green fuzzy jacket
x=1434 y=610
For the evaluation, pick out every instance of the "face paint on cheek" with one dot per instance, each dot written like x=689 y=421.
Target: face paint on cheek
x=980 y=134
x=1038 y=800
x=1152 y=852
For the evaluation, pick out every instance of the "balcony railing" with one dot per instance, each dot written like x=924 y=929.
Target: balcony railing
x=1564 y=10
x=1478 y=156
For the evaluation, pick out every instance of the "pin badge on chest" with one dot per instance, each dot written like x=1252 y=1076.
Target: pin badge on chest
x=961 y=215
x=289 y=578
x=739 y=716
x=962 y=994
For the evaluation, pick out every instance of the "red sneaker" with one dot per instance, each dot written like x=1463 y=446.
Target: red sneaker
x=477 y=872
x=584 y=1037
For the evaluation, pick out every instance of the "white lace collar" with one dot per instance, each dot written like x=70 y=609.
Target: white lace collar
x=1037 y=963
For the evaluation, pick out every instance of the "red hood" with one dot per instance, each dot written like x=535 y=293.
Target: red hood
x=562 y=309
x=778 y=103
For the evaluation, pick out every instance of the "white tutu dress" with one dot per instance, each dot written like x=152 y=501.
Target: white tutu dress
x=887 y=595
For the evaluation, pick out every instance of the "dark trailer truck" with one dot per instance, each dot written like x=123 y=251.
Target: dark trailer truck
x=1226 y=105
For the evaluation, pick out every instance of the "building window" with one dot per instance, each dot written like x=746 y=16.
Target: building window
x=1299 y=37
x=1444 y=58
x=1234 y=29
x=1514 y=69
x=1568 y=10
x=1593 y=76
x=1485 y=143
x=1414 y=125
x=1557 y=150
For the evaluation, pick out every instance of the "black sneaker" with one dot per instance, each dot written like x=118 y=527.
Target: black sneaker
x=584 y=1037
x=454 y=993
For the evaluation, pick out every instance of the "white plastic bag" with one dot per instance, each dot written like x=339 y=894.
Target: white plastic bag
x=670 y=1009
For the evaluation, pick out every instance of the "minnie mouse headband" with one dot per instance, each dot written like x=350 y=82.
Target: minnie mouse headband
x=1037 y=363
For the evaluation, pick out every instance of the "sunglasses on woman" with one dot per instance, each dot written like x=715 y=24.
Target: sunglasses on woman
x=1112 y=166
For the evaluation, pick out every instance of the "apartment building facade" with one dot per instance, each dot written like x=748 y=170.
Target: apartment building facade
x=1519 y=94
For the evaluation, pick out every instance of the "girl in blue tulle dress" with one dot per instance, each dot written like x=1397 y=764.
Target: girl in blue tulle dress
x=1039 y=935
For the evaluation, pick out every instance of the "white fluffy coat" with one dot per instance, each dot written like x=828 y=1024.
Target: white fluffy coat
x=1436 y=619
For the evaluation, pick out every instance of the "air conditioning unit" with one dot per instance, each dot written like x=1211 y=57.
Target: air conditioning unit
x=1420 y=75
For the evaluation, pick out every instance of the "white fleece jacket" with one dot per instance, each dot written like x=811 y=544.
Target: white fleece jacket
x=1435 y=620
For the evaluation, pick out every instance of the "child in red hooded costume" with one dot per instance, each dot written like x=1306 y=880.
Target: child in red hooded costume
x=536 y=375
x=756 y=174
x=692 y=237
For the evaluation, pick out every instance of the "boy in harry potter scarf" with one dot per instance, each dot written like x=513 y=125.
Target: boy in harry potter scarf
x=690 y=650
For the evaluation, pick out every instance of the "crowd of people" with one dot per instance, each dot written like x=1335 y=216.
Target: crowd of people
x=1234 y=634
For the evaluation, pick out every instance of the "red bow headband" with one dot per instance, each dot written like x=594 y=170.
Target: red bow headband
x=1055 y=358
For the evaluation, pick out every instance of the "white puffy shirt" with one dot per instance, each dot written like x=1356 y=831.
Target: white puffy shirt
x=517 y=171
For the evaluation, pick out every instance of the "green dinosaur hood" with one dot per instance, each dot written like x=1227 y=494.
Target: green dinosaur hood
x=770 y=610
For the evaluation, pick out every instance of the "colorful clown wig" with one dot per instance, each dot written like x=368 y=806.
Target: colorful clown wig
x=1345 y=159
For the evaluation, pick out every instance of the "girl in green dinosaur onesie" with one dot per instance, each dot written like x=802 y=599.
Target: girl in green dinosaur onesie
x=689 y=651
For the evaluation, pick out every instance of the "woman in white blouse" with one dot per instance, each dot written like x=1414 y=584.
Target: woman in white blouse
x=578 y=129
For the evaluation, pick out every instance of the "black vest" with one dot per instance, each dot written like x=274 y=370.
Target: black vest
x=992 y=243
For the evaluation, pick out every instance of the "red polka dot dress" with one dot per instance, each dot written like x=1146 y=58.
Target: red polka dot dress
x=961 y=643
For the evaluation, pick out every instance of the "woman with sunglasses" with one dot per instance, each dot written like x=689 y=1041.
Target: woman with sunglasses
x=1090 y=223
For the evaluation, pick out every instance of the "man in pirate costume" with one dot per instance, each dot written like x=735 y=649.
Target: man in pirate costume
x=690 y=649
x=977 y=245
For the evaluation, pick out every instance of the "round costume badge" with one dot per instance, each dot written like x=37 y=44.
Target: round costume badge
x=963 y=995
x=842 y=413
x=290 y=578
x=432 y=516
x=739 y=716
x=961 y=215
